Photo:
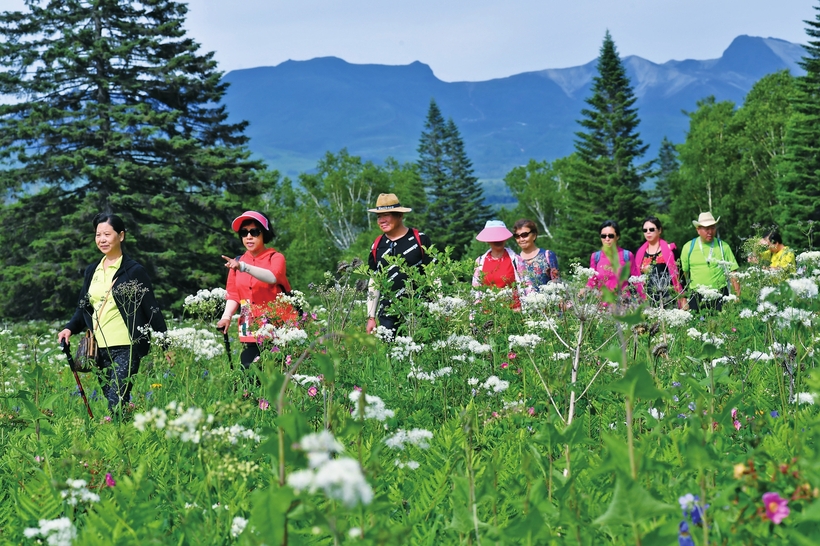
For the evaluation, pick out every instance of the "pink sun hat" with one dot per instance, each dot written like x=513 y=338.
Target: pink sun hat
x=494 y=232
x=250 y=215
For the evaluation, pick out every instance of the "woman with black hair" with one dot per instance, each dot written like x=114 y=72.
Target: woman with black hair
x=117 y=304
x=779 y=256
x=656 y=260
x=606 y=276
x=255 y=280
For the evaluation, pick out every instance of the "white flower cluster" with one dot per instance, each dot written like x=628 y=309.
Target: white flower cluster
x=462 y=343
x=283 y=336
x=57 y=532
x=412 y=465
x=446 y=306
x=405 y=347
x=637 y=279
x=758 y=355
x=296 y=298
x=547 y=323
x=806 y=398
x=721 y=360
x=671 y=317
x=340 y=478
x=492 y=294
x=473 y=381
x=417 y=373
x=202 y=343
x=791 y=315
x=527 y=341
x=812 y=257
x=782 y=350
x=494 y=385
x=709 y=294
x=547 y=295
x=238 y=525
x=78 y=492
x=206 y=303
x=374 y=407
x=717 y=340
x=463 y=358
x=729 y=298
x=803 y=288
x=231 y=434
x=560 y=356
x=383 y=334
x=654 y=412
x=306 y=379
x=417 y=437
x=582 y=274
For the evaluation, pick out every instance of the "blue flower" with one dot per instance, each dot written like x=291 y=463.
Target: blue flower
x=148 y=395
x=774 y=413
x=684 y=538
x=204 y=374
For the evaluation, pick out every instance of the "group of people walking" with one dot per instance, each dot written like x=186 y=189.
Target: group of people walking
x=117 y=303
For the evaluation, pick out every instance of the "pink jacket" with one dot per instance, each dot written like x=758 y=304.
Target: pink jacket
x=605 y=276
x=668 y=258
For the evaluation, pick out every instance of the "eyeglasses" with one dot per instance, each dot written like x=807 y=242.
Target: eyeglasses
x=608 y=235
x=522 y=235
x=649 y=230
x=255 y=232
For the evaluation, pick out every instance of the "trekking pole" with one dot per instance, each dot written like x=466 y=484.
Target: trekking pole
x=67 y=350
x=227 y=347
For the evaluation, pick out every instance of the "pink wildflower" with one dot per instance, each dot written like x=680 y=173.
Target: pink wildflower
x=495 y=414
x=511 y=355
x=777 y=508
x=734 y=413
x=312 y=391
x=504 y=365
x=38 y=458
x=263 y=404
x=737 y=424
x=531 y=410
x=356 y=388
x=109 y=481
x=287 y=360
x=107 y=418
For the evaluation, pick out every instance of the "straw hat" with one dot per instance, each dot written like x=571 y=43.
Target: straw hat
x=494 y=232
x=705 y=219
x=388 y=202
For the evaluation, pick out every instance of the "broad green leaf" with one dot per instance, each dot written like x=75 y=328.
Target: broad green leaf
x=632 y=504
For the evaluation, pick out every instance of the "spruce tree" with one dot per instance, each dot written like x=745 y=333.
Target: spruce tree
x=799 y=187
x=668 y=166
x=118 y=112
x=606 y=181
x=457 y=211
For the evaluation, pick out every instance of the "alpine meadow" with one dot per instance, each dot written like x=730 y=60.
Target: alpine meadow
x=583 y=409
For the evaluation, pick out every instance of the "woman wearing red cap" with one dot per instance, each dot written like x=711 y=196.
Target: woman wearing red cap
x=255 y=279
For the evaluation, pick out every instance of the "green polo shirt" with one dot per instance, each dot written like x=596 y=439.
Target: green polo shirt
x=700 y=261
x=109 y=326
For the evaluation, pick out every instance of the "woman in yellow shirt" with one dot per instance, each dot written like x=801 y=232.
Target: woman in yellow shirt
x=779 y=256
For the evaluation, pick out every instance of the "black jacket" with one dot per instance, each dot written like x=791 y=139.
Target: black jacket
x=138 y=310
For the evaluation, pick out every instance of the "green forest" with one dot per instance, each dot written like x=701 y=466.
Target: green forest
x=117 y=109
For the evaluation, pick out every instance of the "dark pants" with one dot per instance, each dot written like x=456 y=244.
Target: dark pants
x=696 y=302
x=390 y=322
x=250 y=352
x=116 y=366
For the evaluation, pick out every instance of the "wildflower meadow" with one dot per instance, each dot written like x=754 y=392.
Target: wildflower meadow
x=581 y=418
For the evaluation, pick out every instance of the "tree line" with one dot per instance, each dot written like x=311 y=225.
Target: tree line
x=116 y=110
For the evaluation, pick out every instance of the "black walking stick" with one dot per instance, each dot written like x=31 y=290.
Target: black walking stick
x=67 y=350
x=227 y=346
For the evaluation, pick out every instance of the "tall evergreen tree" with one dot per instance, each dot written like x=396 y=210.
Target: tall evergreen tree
x=118 y=112
x=668 y=166
x=799 y=191
x=457 y=211
x=606 y=183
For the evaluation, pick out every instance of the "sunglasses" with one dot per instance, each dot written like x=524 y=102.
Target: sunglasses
x=255 y=232
x=608 y=235
x=649 y=230
x=522 y=235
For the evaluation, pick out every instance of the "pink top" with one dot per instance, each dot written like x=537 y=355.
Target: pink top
x=668 y=258
x=605 y=276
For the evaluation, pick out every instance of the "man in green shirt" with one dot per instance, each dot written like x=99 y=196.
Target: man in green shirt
x=707 y=261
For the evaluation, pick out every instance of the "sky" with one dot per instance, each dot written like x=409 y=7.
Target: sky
x=475 y=40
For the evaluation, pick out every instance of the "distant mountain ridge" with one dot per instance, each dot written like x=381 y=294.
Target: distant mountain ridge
x=298 y=110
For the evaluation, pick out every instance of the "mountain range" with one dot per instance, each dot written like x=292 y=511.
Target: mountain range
x=298 y=110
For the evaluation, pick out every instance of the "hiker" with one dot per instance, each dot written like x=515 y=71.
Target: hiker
x=255 y=280
x=396 y=240
x=606 y=276
x=117 y=304
x=656 y=259
x=538 y=266
x=500 y=265
x=707 y=261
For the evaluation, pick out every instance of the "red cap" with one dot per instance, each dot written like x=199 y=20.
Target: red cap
x=250 y=215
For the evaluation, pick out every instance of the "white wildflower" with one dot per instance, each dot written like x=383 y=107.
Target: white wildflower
x=446 y=306
x=203 y=344
x=417 y=373
x=671 y=317
x=527 y=341
x=412 y=465
x=729 y=298
x=560 y=356
x=637 y=279
x=417 y=437
x=803 y=288
x=473 y=381
x=374 y=407
x=809 y=257
x=57 y=532
x=746 y=313
x=656 y=414
x=462 y=343
x=707 y=293
x=791 y=315
x=384 y=334
x=765 y=292
x=758 y=355
x=341 y=479
x=405 y=347
x=806 y=398
x=238 y=525
x=77 y=492
x=494 y=385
